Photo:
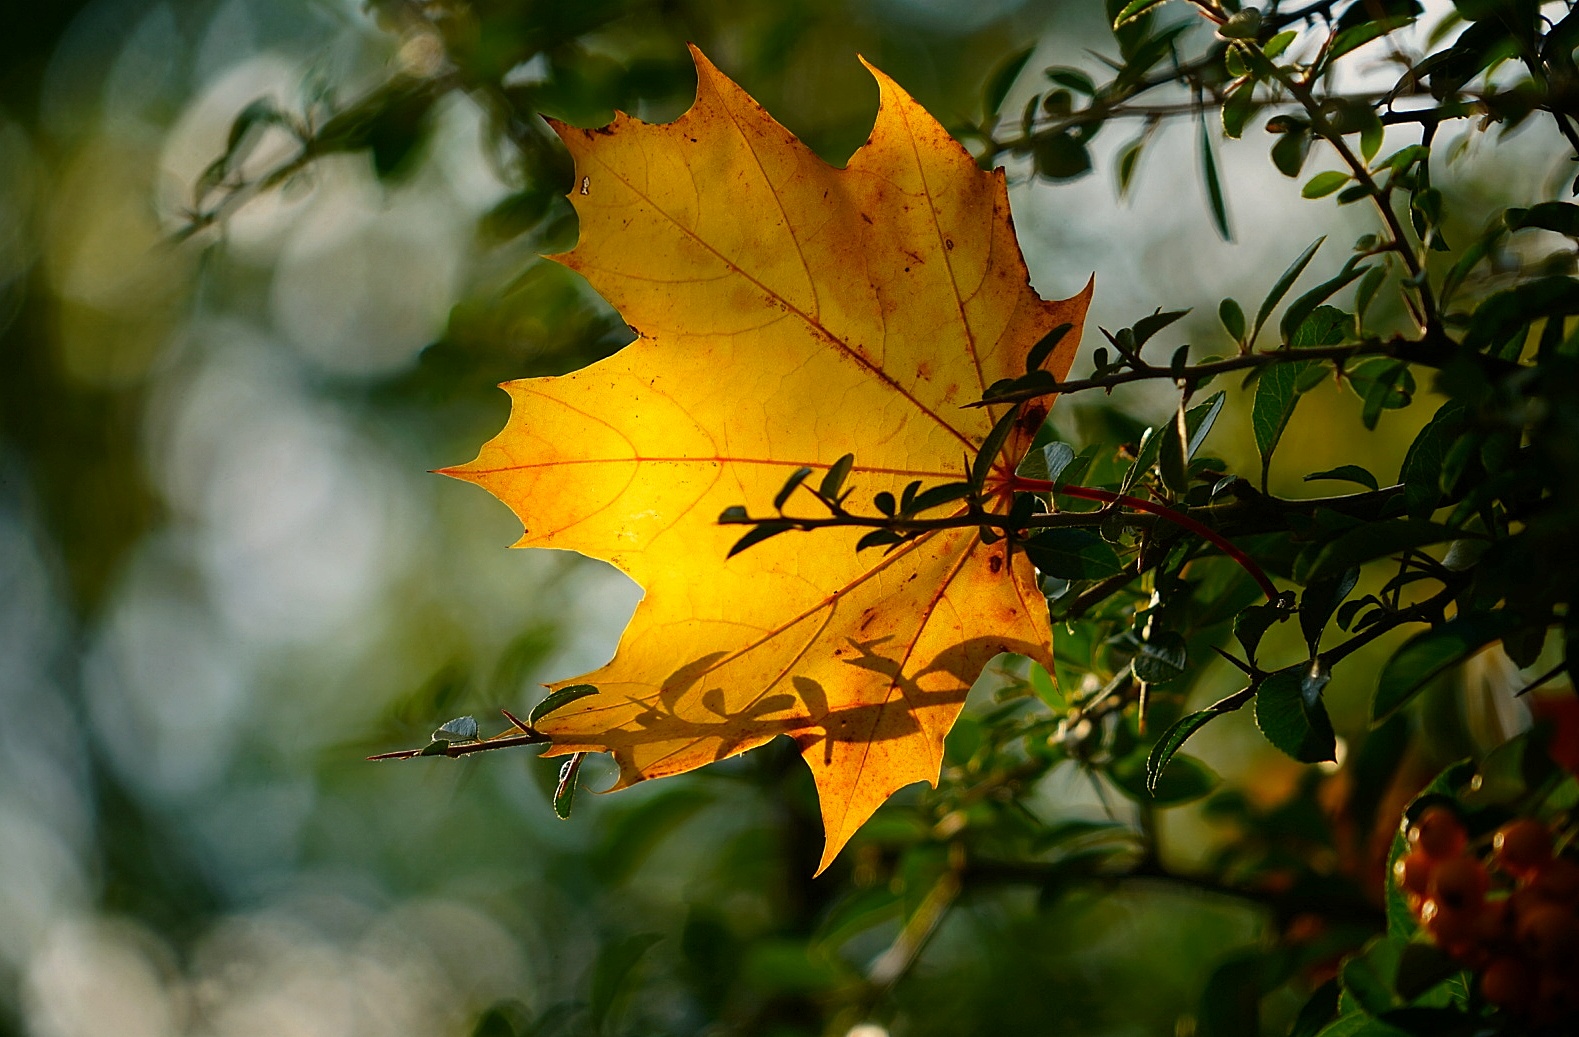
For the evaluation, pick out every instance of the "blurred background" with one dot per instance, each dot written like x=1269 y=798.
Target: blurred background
x=226 y=575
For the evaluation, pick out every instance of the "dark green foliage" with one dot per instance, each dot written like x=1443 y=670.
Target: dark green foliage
x=1290 y=712
x=1446 y=304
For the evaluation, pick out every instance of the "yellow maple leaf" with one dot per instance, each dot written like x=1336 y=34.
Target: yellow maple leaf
x=787 y=312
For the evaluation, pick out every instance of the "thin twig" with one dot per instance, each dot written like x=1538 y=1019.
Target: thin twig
x=1549 y=675
x=1427 y=352
x=453 y=749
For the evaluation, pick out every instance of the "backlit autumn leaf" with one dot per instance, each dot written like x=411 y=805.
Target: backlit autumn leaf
x=788 y=312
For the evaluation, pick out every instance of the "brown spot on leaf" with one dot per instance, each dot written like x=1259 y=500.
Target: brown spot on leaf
x=995 y=563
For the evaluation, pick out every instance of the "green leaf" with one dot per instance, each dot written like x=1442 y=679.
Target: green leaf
x=1373 y=540
x=1127 y=163
x=1283 y=284
x=1074 y=79
x=1186 y=780
x=1477 y=252
x=879 y=538
x=991 y=446
x=762 y=531
x=515 y=214
x=505 y=1019
x=1290 y=151
x=1230 y=1003
x=1421 y=471
x=1372 y=133
x=1172 y=461
x=461 y=729
x=1276 y=396
x=1507 y=313
x=1356 y=36
x=1390 y=387
x=1422 y=966
x=1076 y=470
x=1433 y=652
x=797 y=477
x=1321 y=598
x=1510 y=772
x=1073 y=554
x=1368 y=976
x=1234 y=62
x=1161 y=657
x=559 y=700
x=1253 y=621
x=1559 y=217
x=1145 y=456
x=1290 y=721
x=1323 y=184
x=1233 y=319
x=1198 y=421
x=1347 y=473
x=1149 y=325
x=1243 y=24
x=1042 y=684
x=1044 y=347
x=1002 y=80
x=1238 y=106
x=1294 y=317
x=1134 y=9
x=611 y=975
x=1326 y=326
x=1279 y=43
x=258 y=113
x=1214 y=187
x=1367 y=290
x=936 y=496
x=1061 y=156
x=1168 y=745
x=833 y=479
x=1319 y=1010
x=1048 y=462
x=565 y=789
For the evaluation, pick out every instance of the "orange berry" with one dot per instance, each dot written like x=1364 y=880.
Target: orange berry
x=1550 y=935
x=1521 y=902
x=1556 y=881
x=1438 y=833
x=1556 y=998
x=1509 y=983
x=1459 y=883
x=1412 y=873
x=1491 y=924
x=1522 y=846
x=1452 y=929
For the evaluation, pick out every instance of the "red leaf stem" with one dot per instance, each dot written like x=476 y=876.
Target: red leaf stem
x=1211 y=536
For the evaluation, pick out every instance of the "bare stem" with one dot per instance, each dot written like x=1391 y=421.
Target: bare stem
x=528 y=736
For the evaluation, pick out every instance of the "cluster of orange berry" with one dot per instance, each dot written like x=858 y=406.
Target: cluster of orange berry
x=1515 y=924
